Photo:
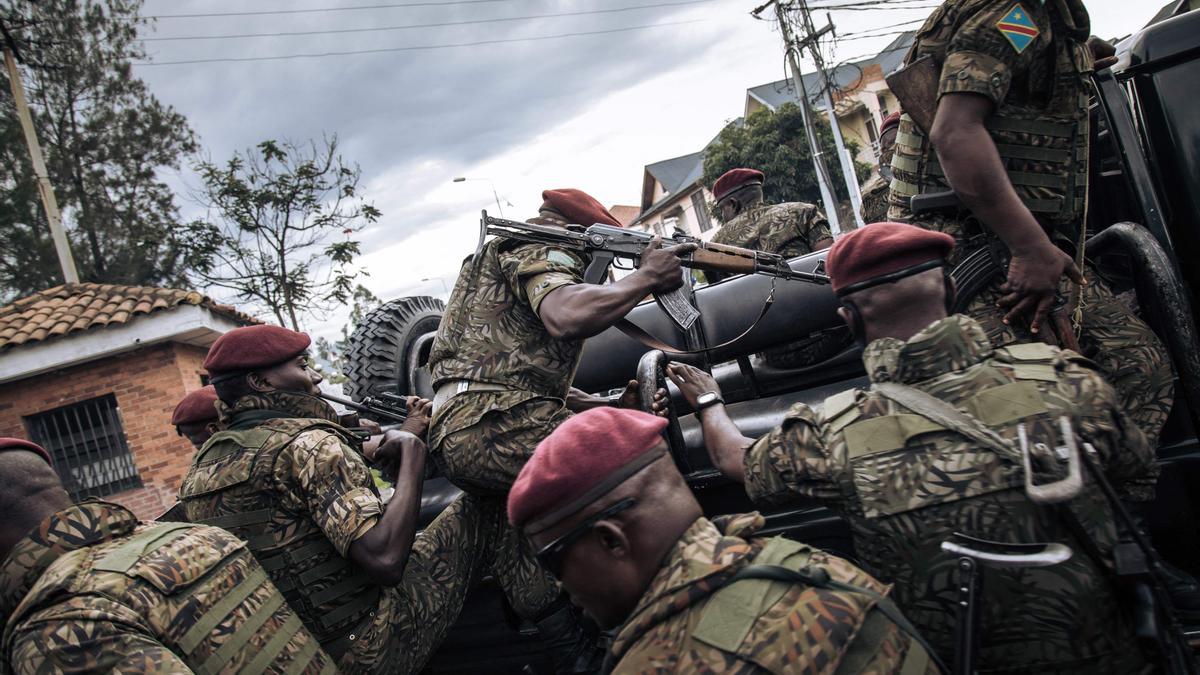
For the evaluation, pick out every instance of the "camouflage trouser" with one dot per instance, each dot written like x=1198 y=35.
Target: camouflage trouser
x=1131 y=356
x=484 y=460
x=447 y=559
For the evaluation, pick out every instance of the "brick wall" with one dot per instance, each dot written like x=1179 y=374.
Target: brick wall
x=147 y=384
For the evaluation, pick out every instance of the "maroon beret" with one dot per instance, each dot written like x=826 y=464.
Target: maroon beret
x=22 y=444
x=889 y=122
x=882 y=248
x=198 y=406
x=734 y=179
x=582 y=460
x=251 y=347
x=578 y=207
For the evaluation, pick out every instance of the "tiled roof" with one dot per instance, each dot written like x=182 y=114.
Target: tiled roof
x=72 y=308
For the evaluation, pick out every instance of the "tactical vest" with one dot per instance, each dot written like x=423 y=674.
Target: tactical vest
x=871 y=443
x=1042 y=137
x=231 y=485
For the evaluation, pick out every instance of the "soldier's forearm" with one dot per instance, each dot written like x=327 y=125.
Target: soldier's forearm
x=382 y=552
x=579 y=401
x=725 y=443
x=582 y=310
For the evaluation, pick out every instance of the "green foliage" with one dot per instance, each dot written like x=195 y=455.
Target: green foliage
x=281 y=220
x=106 y=139
x=775 y=143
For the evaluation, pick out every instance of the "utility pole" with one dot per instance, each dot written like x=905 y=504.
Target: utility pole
x=45 y=189
x=818 y=156
x=846 y=160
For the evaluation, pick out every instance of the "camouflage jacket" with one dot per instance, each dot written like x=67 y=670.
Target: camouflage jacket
x=291 y=483
x=491 y=332
x=875 y=200
x=790 y=229
x=691 y=620
x=94 y=590
x=906 y=484
x=1030 y=60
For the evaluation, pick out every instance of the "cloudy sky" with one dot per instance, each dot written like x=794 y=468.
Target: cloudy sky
x=561 y=93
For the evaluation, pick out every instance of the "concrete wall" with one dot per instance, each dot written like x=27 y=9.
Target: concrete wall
x=147 y=383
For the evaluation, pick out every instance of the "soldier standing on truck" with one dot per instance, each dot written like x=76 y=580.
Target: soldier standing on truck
x=906 y=482
x=290 y=481
x=88 y=588
x=503 y=362
x=790 y=229
x=606 y=509
x=875 y=192
x=1007 y=90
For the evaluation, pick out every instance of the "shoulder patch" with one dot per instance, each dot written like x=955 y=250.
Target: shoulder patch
x=1018 y=27
x=1030 y=351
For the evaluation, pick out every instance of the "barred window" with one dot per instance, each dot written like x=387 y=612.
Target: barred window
x=87 y=442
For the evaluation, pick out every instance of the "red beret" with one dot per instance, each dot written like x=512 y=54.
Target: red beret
x=22 y=444
x=578 y=207
x=197 y=406
x=734 y=179
x=582 y=460
x=890 y=121
x=882 y=248
x=251 y=347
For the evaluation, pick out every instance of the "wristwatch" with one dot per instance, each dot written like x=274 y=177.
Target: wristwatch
x=708 y=399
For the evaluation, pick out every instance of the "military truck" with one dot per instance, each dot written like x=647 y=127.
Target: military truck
x=1144 y=207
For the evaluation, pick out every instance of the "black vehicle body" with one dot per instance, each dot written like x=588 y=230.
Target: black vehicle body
x=1145 y=172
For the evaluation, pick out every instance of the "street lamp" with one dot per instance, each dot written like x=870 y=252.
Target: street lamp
x=495 y=194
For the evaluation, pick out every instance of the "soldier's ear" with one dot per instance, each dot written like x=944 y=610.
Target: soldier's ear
x=613 y=538
x=259 y=383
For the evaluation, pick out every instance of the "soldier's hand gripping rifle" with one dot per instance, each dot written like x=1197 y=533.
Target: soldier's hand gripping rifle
x=605 y=243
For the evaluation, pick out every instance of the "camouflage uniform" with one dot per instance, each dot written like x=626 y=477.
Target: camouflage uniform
x=94 y=590
x=1040 y=88
x=492 y=338
x=906 y=484
x=875 y=200
x=289 y=481
x=691 y=620
x=790 y=229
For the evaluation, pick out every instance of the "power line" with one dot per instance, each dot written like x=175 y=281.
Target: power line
x=442 y=24
x=415 y=48
x=441 y=3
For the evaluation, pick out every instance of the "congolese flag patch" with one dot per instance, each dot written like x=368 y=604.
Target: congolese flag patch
x=1018 y=27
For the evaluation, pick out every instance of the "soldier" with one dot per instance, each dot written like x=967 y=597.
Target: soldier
x=609 y=513
x=1011 y=135
x=502 y=363
x=906 y=482
x=87 y=588
x=286 y=478
x=195 y=416
x=875 y=192
x=790 y=229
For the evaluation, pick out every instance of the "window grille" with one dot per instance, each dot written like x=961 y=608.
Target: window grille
x=701 y=209
x=87 y=442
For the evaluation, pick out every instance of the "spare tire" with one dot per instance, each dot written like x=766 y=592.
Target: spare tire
x=389 y=350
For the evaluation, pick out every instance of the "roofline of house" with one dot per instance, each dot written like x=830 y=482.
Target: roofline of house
x=684 y=191
x=189 y=324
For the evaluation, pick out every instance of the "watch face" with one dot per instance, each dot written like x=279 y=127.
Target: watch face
x=706 y=398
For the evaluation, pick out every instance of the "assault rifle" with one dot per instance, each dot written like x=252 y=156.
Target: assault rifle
x=605 y=243
x=390 y=407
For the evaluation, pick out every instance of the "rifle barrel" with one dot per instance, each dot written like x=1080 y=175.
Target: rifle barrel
x=371 y=410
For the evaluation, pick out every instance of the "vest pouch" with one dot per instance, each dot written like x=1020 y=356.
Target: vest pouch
x=225 y=461
x=170 y=558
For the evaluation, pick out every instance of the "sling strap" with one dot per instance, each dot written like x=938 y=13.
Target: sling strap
x=933 y=408
x=638 y=333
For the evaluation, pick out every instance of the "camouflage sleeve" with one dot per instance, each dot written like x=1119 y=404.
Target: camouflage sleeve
x=96 y=637
x=813 y=226
x=333 y=484
x=534 y=270
x=791 y=462
x=994 y=42
x=1128 y=457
